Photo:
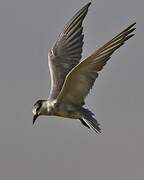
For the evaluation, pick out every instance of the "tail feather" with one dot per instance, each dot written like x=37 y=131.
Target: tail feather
x=83 y=122
x=89 y=120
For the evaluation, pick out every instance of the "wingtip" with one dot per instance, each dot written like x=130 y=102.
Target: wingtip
x=129 y=36
x=88 y=4
x=132 y=25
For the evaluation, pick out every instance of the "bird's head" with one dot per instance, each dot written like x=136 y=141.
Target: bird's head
x=43 y=107
x=38 y=109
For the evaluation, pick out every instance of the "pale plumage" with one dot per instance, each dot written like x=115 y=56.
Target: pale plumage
x=72 y=80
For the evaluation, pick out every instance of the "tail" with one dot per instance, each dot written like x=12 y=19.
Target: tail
x=89 y=121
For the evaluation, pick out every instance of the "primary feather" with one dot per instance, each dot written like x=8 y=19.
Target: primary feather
x=66 y=52
x=81 y=78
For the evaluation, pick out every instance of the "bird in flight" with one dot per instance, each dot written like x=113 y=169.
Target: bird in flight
x=72 y=79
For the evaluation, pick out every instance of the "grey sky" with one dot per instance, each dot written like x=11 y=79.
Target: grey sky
x=57 y=148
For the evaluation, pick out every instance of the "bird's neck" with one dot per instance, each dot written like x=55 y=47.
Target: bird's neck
x=48 y=107
x=44 y=109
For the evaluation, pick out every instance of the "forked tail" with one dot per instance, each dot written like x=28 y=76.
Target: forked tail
x=89 y=121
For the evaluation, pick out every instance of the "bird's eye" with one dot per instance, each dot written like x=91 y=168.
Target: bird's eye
x=38 y=108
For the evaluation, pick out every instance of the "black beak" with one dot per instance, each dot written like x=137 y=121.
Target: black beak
x=34 y=118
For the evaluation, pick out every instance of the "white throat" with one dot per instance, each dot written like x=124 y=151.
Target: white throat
x=48 y=107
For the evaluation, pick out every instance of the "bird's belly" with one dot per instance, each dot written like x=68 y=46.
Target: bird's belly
x=67 y=111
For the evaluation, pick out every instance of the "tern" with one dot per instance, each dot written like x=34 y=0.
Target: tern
x=71 y=77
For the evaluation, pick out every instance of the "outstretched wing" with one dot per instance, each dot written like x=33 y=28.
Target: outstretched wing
x=81 y=78
x=66 y=53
